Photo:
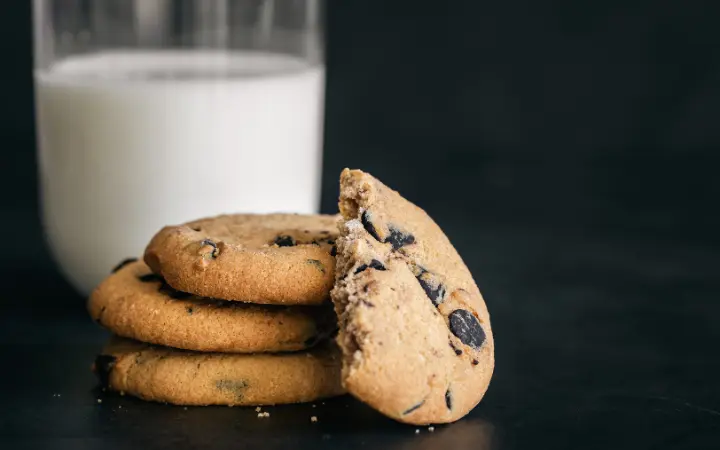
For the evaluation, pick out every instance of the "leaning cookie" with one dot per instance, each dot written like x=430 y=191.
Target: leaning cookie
x=414 y=329
x=269 y=259
x=135 y=303
x=191 y=378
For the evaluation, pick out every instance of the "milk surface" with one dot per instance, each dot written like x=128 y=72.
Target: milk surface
x=130 y=142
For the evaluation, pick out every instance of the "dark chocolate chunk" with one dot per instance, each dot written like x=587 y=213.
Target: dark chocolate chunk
x=123 y=263
x=103 y=366
x=330 y=241
x=475 y=362
x=448 y=399
x=189 y=310
x=399 y=239
x=374 y=264
x=369 y=227
x=195 y=228
x=413 y=408
x=455 y=349
x=150 y=277
x=237 y=387
x=435 y=294
x=467 y=328
x=317 y=263
x=284 y=241
x=333 y=251
x=99 y=317
x=211 y=244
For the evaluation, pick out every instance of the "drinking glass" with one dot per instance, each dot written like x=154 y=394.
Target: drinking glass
x=156 y=112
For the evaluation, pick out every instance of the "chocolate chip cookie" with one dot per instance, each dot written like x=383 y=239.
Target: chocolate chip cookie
x=135 y=303
x=191 y=378
x=414 y=329
x=270 y=259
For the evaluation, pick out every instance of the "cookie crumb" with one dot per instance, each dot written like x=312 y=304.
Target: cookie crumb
x=314 y=406
x=417 y=430
x=119 y=406
x=185 y=408
x=431 y=429
x=267 y=414
x=99 y=400
x=313 y=419
x=258 y=409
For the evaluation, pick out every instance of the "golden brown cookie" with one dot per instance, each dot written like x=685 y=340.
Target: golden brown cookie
x=135 y=303
x=271 y=259
x=184 y=377
x=414 y=328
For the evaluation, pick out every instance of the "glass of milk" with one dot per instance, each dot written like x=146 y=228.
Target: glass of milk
x=156 y=112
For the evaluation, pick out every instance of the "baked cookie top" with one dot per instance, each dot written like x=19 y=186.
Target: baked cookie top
x=414 y=328
x=135 y=303
x=269 y=259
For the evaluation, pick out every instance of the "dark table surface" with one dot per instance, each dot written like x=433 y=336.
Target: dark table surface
x=605 y=322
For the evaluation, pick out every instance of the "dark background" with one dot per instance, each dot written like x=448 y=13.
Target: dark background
x=570 y=151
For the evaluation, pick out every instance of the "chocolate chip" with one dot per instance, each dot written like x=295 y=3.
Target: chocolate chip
x=448 y=399
x=455 y=349
x=189 y=310
x=475 y=362
x=374 y=264
x=330 y=241
x=369 y=227
x=317 y=263
x=123 y=263
x=284 y=241
x=237 y=387
x=99 y=317
x=312 y=341
x=413 y=408
x=103 y=366
x=436 y=294
x=467 y=328
x=195 y=228
x=367 y=303
x=214 y=246
x=399 y=239
x=333 y=251
x=150 y=277
x=396 y=238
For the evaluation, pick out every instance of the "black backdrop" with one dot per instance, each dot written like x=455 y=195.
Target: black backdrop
x=570 y=151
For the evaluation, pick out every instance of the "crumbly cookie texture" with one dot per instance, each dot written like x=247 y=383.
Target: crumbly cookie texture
x=191 y=378
x=269 y=259
x=135 y=303
x=414 y=329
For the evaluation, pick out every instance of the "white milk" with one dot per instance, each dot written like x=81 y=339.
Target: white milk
x=130 y=142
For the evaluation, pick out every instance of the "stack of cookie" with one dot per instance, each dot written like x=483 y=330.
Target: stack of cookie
x=414 y=338
x=232 y=310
